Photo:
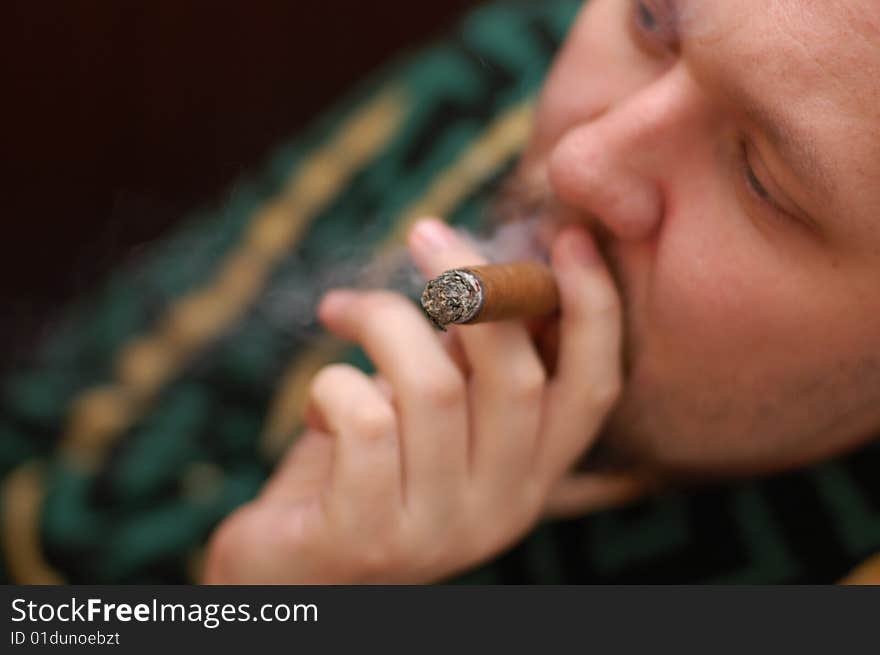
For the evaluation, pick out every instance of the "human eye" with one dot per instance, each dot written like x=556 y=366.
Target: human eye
x=654 y=26
x=758 y=185
x=646 y=17
x=752 y=182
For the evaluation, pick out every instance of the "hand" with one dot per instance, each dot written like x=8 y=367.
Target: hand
x=443 y=460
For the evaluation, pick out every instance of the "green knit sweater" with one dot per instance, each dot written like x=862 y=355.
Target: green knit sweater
x=162 y=403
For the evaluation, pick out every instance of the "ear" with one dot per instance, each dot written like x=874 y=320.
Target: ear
x=583 y=493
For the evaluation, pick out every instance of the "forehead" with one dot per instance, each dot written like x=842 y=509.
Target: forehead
x=827 y=44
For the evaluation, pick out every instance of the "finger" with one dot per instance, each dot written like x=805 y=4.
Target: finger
x=384 y=387
x=315 y=421
x=452 y=345
x=507 y=376
x=588 y=369
x=304 y=471
x=366 y=472
x=429 y=390
x=306 y=468
x=592 y=492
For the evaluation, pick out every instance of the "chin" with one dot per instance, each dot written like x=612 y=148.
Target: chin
x=634 y=436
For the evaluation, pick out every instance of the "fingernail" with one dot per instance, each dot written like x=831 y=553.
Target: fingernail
x=434 y=233
x=582 y=247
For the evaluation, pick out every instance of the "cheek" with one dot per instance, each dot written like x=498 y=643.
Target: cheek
x=733 y=294
x=722 y=301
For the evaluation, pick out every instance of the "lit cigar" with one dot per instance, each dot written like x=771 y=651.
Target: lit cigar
x=492 y=292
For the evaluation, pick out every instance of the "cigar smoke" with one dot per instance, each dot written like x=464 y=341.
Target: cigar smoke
x=285 y=310
x=290 y=307
x=511 y=235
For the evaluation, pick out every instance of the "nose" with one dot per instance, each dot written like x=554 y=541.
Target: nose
x=612 y=167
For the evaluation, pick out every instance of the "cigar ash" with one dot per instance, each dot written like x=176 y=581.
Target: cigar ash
x=455 y=296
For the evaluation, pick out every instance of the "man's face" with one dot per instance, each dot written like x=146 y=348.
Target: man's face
x=727 y=155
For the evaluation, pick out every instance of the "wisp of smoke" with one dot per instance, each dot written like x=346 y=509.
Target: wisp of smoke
x=290 y=307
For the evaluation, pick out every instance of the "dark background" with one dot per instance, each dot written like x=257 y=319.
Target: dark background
x=120 y=116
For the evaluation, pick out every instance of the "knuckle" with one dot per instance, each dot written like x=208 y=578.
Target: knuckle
x=530 y=383
x=329 y=377
x=373 y=421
